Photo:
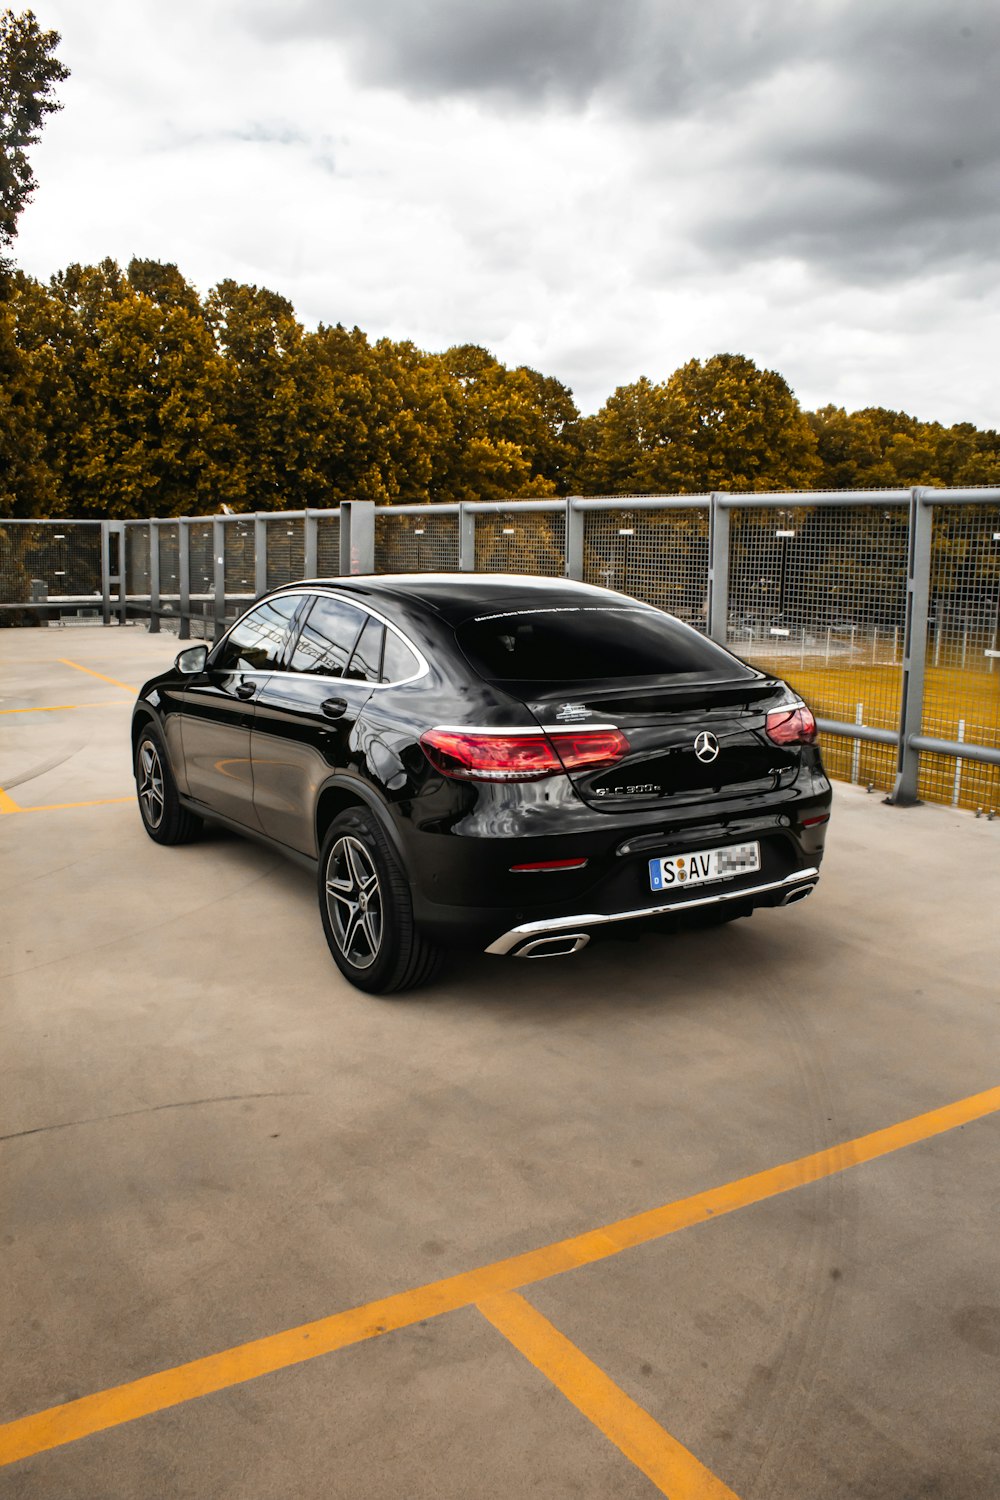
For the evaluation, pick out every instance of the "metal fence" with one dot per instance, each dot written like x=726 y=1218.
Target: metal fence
x=881 y=607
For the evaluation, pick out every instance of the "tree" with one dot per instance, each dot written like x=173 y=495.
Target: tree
x=279 y=401
x=29 y=72
x=629 y=446
x=27 y=485
x=739 y=428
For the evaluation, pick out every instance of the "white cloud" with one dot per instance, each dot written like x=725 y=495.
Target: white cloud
x=603 y=213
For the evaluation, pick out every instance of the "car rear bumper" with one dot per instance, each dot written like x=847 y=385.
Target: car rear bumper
x=528 y=938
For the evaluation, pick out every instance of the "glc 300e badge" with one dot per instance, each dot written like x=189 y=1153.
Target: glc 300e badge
x=706 y=746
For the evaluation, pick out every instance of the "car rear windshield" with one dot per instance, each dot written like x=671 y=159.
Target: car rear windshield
x=589 y=642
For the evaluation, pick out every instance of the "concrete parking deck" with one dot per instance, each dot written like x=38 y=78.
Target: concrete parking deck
x=705 y=1216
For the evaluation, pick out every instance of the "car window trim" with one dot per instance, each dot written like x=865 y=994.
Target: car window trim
x=313 y=601
x=217 y=648
x=357 y=643
x=422 y=664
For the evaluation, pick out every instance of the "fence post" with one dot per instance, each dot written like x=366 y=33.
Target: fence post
x=154 y=577
x=219 y=576
x=357 y=537
x=311 y=533
x=466 y=539
x=259 y=555
x=574 y=539
x=718 y=566
x=184 y=578
x=120 y=529
x=106 y=572
x=918 y=587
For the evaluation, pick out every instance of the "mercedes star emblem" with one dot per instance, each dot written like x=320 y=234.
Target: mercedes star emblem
x=706 y=746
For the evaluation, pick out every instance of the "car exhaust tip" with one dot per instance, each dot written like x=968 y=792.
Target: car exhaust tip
x=798 y=894
x=560 y=945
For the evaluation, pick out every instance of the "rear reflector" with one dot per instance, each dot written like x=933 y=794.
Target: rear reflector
x=812 y=822
x=473 y=755
x=549 y=864
x=791 y=726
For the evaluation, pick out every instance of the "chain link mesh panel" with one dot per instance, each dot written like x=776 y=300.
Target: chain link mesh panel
x=52 y=561
x=201 y=577
x=415 y=544
x=328 y=546
x=239 y=557
x=658 y=556
x=169 y=554
x=137 y=559
x=962 y=682
x=521 y=541
x=817 y=595
x=286 y=549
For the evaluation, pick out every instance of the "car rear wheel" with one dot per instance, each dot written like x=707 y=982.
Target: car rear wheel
x=364 y=899
x=163 y=817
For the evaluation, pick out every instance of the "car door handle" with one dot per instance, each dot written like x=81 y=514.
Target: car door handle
x=334 y=708
x=246 y=690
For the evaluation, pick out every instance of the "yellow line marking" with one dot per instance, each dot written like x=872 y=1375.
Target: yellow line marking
x=129 y=688
x=59 y=806
x=672 y=1468
x=215 y=1372
x=7 y=803
x=53 y=708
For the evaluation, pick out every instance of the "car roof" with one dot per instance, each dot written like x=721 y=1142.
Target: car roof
x=456 y=596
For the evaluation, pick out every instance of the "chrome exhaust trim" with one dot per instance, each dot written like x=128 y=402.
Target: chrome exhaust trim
x=559 y=945
x=792 y=888
x=798 y=894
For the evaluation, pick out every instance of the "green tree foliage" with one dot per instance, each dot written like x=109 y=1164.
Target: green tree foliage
x=29 y=72
x=721 y=424
x=879 y=449
x=126 y=393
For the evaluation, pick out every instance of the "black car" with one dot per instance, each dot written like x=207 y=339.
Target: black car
x=509 y=761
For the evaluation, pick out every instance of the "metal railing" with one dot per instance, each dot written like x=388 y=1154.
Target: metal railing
x=882 y=607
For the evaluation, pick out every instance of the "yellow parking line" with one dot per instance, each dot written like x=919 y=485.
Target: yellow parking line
x=52 y=708
x=215 y=1372
x=672 y=1468
x=129 y=688
x=8 y=805
x=59 y=806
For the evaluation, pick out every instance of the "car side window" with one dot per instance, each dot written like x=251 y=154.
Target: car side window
x=398 y=661
x=256 y=643
x=366 y=663
x=327 y=638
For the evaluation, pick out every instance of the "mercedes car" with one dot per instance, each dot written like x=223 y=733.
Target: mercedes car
x=516 y=763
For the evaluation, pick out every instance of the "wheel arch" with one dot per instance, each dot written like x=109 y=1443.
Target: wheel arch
x=343 y=792
x=141 y=719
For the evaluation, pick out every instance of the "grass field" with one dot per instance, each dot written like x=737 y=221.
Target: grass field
x=859 y=691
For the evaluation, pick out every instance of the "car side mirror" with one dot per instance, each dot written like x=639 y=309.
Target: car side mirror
x=192 y=661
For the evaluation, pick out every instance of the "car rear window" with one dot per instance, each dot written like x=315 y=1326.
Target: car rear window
x=587 y=643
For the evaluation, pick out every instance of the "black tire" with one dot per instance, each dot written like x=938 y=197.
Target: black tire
x=163 y=817
x=364 y=901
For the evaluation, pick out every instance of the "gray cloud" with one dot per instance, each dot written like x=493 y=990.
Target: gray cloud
x=860 y=137
x=643 y=56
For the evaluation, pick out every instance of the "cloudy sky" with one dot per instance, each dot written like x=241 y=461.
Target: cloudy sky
x=599 y=188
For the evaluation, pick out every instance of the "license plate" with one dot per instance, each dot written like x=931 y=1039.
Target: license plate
x=704 y=866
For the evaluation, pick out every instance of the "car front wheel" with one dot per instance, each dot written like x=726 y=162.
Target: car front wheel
x=163 y=817
x=364 y=899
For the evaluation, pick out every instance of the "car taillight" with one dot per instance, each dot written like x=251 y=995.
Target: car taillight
x=470 y=755
x=794 y=725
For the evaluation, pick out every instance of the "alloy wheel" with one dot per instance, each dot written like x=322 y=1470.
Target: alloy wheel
x=150 y=784
x=354 y=902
